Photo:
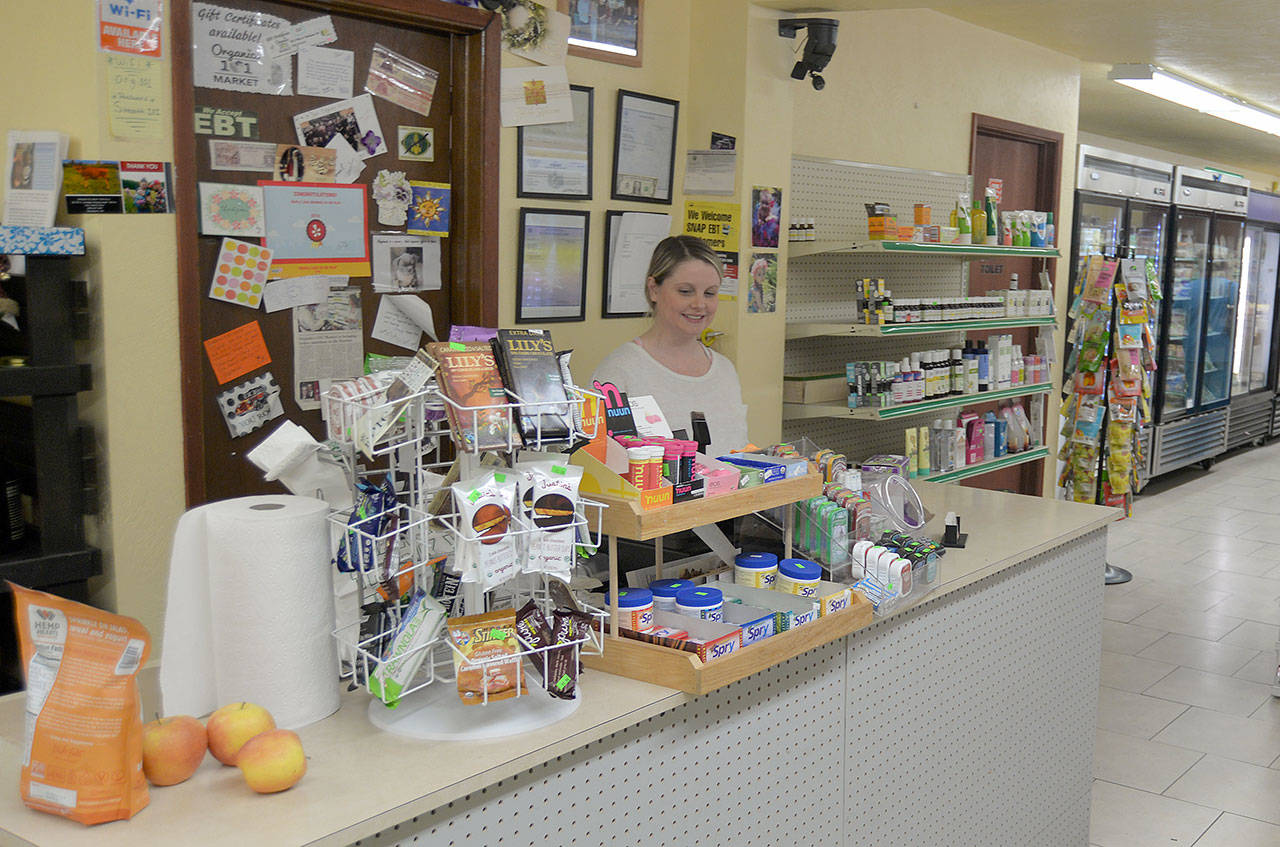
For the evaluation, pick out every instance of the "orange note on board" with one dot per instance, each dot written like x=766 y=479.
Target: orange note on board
x=237 y=352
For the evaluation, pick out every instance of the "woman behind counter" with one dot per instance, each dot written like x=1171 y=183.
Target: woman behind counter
x=669 y=361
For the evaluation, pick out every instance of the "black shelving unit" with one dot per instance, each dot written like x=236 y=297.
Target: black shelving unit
x=42 y=437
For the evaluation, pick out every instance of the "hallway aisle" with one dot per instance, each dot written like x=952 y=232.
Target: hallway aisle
x=1188 y=741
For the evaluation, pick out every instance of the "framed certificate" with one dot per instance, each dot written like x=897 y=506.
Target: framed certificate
x=553 y=161
x=551 y=279
x=644 y=147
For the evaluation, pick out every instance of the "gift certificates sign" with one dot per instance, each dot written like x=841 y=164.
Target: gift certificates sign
x=228 y=51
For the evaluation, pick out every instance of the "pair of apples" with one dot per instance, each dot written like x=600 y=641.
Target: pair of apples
x=240 y=734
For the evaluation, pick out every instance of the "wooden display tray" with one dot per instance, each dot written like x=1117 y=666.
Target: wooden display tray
x=682 y=670
x=625 y=519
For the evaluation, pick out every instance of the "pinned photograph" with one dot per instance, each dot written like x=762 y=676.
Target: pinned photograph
x=305 y=164
x=91 y=187
x=147 y=187
x=250 y=404
x=766 y=212
x=354 y=120
x=416 y=143
x=404 y=263
x=762 y=295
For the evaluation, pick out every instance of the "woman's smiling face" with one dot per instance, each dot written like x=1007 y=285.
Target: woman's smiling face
x=687 y=299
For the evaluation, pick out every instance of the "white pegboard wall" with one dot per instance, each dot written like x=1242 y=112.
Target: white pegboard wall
x=750 y=745
x=833 y=193
x=984 y=773
x=820 y=288
x=920 y=704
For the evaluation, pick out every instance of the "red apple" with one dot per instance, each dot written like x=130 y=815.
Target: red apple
x=232 y=725
x=172 y=749
x=272 y=761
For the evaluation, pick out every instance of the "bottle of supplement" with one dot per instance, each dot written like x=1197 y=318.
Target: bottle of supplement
x=957 y=373
x=984 y=367
x=978 y=218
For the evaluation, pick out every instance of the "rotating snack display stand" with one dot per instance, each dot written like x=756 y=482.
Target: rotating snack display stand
x=388 y=552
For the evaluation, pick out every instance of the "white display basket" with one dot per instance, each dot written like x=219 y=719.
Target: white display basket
x=378 y=426
x=505 y=417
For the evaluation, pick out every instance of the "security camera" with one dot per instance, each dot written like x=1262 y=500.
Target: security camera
x=819 y=46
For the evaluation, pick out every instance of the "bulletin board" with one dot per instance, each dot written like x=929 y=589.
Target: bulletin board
x=461 y=45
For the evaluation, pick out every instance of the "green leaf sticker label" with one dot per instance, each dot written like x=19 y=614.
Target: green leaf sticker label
x=559 y=469
x=500 y=477
x=562 y=682
x=455 y=345
x=497 y=634
x=473 y=496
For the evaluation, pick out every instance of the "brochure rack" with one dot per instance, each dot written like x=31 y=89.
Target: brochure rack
x=683 y=670
x=402 y=545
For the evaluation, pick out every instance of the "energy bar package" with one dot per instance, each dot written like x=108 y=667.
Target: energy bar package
x=488 y=636
x=82 y=747
x=419 y=626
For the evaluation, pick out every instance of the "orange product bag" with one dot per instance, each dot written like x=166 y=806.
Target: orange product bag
x=82 y=748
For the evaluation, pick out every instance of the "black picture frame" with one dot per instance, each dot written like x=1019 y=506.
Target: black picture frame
x=533 y=313
x=610 y=219
x=582 y=96
x=634 y=187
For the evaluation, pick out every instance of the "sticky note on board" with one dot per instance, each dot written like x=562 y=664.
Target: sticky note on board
x=240 y=273
x=237 y=352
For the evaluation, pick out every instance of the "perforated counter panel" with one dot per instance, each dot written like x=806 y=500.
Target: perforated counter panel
x=968 y=720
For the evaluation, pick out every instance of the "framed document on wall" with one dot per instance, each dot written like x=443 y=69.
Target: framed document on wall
x=554 y=161
x=551 y=278
x=644 y=147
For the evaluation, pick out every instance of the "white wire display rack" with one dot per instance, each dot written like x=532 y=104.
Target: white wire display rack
x=397 y=550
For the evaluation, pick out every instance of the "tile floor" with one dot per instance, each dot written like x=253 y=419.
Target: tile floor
x=1188 y=741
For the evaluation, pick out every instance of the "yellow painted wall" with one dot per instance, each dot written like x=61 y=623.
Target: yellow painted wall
x=731 y=76
x=54 y=79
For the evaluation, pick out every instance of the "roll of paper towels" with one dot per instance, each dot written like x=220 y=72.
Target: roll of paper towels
x=250 y=610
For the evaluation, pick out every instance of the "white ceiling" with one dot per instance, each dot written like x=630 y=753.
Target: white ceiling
x=1228 y=44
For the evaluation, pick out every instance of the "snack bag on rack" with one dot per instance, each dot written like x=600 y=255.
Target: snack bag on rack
x=554 y=510
x=487 y=549
x=82 y=748
x=487 y=637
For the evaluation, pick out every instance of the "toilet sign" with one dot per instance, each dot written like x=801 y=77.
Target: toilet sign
x=130 y=26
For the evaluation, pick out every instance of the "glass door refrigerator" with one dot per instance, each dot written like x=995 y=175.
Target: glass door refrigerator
x=1122 y=201
x=1253 y=372
x=1197 y=327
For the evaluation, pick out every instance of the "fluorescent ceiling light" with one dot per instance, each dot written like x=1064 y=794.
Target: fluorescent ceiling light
x=1160 y=83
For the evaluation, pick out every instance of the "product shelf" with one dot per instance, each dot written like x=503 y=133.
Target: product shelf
x=625 y=519
x=960 y=251
x=685 y=671
x=980 y=468
x=857 y=330
x=796 y=411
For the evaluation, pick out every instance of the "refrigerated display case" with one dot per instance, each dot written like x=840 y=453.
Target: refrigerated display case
x=1253 y=373
x=1198 y=318
x=1122 y=201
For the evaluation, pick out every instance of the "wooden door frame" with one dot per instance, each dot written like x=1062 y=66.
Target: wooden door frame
x=1048 y=196
x=475 y=65
x=1050 y=162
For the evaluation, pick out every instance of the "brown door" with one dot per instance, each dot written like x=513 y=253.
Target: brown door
x=1028 y=162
